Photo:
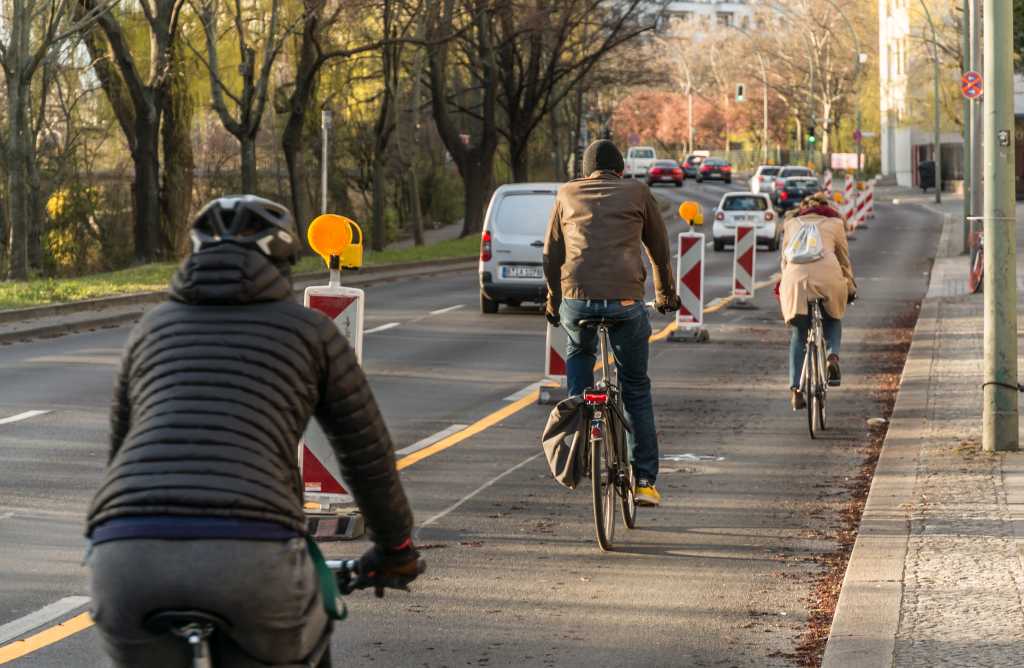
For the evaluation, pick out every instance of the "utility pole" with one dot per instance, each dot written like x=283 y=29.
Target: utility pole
x=325 y=129
x=977 y=120
x=764 y=109
x=965 y=64
x=937 y=139
x=1000 y=395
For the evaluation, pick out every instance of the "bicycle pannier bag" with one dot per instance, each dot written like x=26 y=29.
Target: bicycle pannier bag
x=563 y=440
x=805 y=246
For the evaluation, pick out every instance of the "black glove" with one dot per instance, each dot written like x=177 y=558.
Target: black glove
x=668 y=304
x=851 y=296
x=394 y=568
x=552 y=317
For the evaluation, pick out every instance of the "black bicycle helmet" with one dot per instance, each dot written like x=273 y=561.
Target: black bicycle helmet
x=250 y=221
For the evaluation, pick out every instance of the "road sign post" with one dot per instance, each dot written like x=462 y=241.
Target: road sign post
x=339 y=241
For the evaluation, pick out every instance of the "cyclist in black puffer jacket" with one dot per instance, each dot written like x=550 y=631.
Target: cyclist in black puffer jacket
x=201 y=505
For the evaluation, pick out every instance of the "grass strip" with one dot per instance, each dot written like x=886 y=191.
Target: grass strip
x=156 y=276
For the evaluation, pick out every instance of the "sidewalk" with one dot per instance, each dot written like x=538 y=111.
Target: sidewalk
x=936 y=577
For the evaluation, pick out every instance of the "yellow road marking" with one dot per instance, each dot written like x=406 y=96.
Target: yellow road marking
x=20 y=648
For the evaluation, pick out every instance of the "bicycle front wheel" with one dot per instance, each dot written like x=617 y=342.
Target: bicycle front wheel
x=603 y=485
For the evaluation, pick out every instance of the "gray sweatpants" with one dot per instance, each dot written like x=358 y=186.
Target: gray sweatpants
x=267 y=590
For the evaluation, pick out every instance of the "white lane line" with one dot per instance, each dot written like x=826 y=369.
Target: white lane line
x=430 y=440
x=22 y=416
x=382 y=328
x=33 y=620
x=532 y=387
x=455 y=506
x=6 y=516
x=447 y=310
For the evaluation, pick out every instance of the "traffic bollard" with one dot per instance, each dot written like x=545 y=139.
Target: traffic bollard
x=555 y=386
x=743 y=266
x=690 y=270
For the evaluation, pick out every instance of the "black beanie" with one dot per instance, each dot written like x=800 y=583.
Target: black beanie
x=602 y=155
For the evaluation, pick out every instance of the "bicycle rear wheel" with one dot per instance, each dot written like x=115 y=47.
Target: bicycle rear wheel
x=603 y=486
x=627 y=484
x=819 y=398
x=809 y=388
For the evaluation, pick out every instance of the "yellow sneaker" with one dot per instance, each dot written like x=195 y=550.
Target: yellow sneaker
x=646 y=494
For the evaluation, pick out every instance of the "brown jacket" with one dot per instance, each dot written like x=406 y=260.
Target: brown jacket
x=598 y=228
x=830 y=278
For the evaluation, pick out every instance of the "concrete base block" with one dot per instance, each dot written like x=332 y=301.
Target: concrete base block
x=743 y=303
x=549 y=395
x=690 y=335
x=337 y=525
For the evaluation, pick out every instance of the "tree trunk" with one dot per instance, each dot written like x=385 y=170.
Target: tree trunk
x=476 y=189
x=248 y=145
x=557 y=148
x=519 y=152
x=146 y=186
x=18 y=155
x=412 y=191
x=179 y=161
x=291 y=146
x=378 y=236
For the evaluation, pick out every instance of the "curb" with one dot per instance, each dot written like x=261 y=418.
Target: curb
x=863 y=633
x=867 y=616
x=142 y=300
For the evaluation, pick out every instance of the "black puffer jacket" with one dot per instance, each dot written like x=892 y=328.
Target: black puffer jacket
x=215 y=389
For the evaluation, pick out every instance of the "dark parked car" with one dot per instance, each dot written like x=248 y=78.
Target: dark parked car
x=794 y=189
x=791 y=170
x=665 y=171
x=714 y=168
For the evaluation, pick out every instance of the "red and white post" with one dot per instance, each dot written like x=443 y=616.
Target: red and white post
x=743 y=266
x=827 y=185
x=871 y=199
x=690 y=270
x=555 y=386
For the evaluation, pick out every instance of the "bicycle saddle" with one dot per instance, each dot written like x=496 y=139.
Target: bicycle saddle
x=165 y=621
x=597 y=322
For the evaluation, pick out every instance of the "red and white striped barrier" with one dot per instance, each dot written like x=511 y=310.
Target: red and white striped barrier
x=870 y=196
x=554 y=387
x=860 y=207
x=744 y=263
x=849 y=200
x=827 y=185
x=321 y=476
x=690 y=270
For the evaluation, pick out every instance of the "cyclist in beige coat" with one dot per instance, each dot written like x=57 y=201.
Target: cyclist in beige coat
x=829 y=278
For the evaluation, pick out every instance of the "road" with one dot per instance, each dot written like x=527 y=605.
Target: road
x=718 y=576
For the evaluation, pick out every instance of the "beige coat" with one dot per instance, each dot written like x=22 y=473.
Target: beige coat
x=830 y=278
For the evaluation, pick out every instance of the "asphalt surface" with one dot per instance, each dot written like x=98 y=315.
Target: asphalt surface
x=718 y=576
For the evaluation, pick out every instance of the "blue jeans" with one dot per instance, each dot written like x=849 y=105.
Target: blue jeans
x=630 y=342
x=833 y=330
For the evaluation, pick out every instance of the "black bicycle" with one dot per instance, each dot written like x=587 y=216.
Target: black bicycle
x=196 y=627
x=813 y=379
x=611 y=472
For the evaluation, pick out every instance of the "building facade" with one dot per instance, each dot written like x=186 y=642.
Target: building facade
x=705 y=15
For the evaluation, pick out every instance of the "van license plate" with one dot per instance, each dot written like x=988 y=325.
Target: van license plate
x=522 y=271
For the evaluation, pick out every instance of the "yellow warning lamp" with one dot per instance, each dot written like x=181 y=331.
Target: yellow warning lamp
x=838 y=197
x=338 y=240
x=691 y=213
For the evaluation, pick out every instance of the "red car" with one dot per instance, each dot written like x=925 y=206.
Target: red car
x=715 y=168
x=665 y=171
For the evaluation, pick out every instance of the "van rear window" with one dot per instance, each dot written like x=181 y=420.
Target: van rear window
x=644 y=154
x=524 y=213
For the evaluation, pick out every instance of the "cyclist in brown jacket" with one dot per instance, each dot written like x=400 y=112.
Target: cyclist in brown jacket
x=599 y=228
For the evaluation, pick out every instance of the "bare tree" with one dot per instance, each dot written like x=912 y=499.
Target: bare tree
x=33 y=30
x=141 y=102
x=251 y=101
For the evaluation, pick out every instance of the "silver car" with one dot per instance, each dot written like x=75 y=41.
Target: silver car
x=512 y=245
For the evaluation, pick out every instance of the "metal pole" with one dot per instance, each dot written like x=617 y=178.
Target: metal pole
x=689 y=117
x=977 y=129
x=1000 y=416
x=966 y=116
x=764 y=110
x=325 y=130
x=937 y=140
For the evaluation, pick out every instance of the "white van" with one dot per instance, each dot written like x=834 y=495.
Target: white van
x=638 y=160
x=512 y=245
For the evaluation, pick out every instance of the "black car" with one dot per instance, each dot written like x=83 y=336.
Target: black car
x=715 y=168
x=793 y=190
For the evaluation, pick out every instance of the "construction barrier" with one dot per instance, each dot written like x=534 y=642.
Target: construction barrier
x=870 y=195
x=332 y=237
x=554 y=387
x=827 y=185
x=690 y=270
x=849 y=201
x=744 y=262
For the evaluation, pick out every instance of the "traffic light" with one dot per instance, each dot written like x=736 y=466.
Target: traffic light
x=811 y=138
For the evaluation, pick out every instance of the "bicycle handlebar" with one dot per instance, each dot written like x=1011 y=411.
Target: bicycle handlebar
x=350 y=578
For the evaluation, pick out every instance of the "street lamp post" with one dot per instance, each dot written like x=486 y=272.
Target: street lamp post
x=861 y=59
x=937 y=140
